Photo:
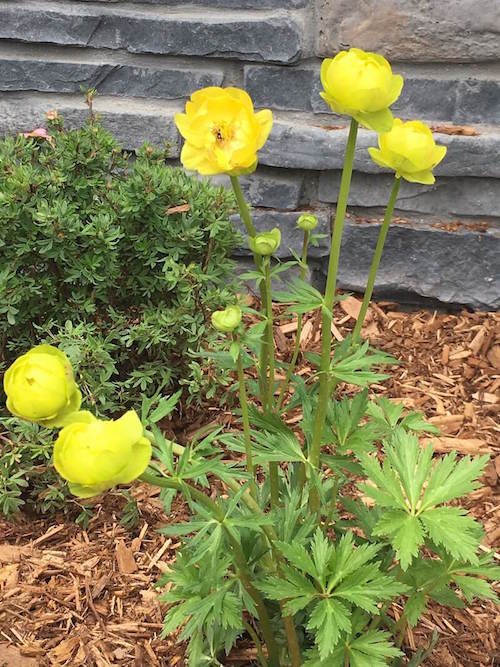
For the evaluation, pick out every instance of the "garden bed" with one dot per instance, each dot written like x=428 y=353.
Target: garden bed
x=70 y=596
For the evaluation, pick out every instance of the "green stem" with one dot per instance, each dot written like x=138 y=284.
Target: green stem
x=246 y=426
x=238 y=556
x=293 y=642
x=300 y=318
x=326 y=330
x=247 y=221
x=273 y=465
x=376 y=259
x=255 y=638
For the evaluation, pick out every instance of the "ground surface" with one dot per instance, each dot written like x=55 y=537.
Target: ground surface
x=84 y=597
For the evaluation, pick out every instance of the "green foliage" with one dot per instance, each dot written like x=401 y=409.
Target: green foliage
x=98 y=258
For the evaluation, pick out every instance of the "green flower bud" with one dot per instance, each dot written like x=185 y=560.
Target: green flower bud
x=228 y=319
x=265 y=243
x=307 y=222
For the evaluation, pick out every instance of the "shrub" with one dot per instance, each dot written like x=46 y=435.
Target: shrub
x=118 y=260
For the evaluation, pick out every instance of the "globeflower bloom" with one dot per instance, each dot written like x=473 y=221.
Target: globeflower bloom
x=222 y=132
x=94 y=455
x=410 y=150
x=40 y=387
x=361 y=84
x=227 y=320
x=265 y=243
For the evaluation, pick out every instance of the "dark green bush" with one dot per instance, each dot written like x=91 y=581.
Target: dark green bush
x=118 y=259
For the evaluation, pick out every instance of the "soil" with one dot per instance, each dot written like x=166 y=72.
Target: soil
x=74 y=597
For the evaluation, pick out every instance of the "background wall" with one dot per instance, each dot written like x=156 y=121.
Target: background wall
x=147 y=57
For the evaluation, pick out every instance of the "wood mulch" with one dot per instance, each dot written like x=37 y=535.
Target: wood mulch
x=74 y=597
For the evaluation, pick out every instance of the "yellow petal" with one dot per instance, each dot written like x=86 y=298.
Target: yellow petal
x=378 y=157
x=137 y=463
x=265 y=120
x=378 y=121
x=425 y=177
x=396 y=88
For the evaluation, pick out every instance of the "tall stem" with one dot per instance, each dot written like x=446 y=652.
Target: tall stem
x=376 y=259
x=238 y=557
x=246 y=425
x=331 y=284
x=300 y=318
x=251 y=231
x=273 y=465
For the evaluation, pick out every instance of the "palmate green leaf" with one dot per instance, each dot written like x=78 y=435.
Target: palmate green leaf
x=411 y=463
x=327 y=620
x=451 y=480
x=349 y=559
x=472 y=588
x=323 y=553
x=366 y=587
x=458 y=533
x=303 y=297
x=299 y=557
x=405 y=532
x=355 y=367
x=293 y=585
x=388 y=416
x=372 y=649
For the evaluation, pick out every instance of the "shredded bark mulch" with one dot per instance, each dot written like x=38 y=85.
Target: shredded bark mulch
x=74 y=597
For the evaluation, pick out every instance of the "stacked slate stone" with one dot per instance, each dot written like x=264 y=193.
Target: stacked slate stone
x=145 y=59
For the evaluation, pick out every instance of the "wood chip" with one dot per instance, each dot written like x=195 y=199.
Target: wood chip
x=125 y=558
x=183 y=208
x=351 y=306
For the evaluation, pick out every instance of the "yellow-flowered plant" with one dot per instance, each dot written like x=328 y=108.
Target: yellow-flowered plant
x=40 y=387
x=410 y=150
x=94 y=455
x=265 y=243
x=361 y=84
x=222 y=132
x=227 y=320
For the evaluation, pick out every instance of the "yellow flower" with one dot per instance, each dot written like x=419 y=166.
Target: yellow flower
x=228 y=319
x=361 y=85
x=40 y=387
x=94 y=455
x=307 y=222
x=265 y=243
x=222 y=132
x=410 y=150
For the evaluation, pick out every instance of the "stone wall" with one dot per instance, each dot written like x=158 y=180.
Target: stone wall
x=145 y=58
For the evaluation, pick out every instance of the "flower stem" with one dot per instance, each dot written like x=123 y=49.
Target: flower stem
x=300 y=318
x=376 y=259
x=331 y=284
x=273 y=465
x=251 y=231
x=238 y=557
x=246 y=425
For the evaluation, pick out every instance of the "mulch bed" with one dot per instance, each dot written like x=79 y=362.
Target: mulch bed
x=74 y=597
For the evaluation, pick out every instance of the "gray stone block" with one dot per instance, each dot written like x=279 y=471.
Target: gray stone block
x=132 y=122
x=274 y=38
x=229 y=4
x=448 y=196
x=459 y=267
x=294 y=145
x=63 y=76
x=411 y=30
x=452 y=93
x=268 y=189
x=291 y=235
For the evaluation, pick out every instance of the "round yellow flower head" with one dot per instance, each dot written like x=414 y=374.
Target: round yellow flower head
x=222 y=132
x=265 y=243
x=410 y=150
x=40 y=387
x=361 y=85
x=307 y=222
x=94 y=455
x=228 y=319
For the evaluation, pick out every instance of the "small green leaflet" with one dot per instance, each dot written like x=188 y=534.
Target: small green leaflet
x=355 y=367
x=303 y=297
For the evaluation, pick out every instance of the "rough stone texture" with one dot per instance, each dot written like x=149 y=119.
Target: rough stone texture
x=230 y=4
x=412 y=30
x=452 y=93
x=447 y=197
x=291 y=235
x=296 y=146
x=132 y=123
x=110 y=79
x=454 y=267
x=274 y=38
x=268 y=189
